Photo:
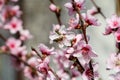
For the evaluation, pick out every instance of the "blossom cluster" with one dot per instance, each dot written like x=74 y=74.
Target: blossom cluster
x=10 y=21
x=113 y=63
x=72 y=58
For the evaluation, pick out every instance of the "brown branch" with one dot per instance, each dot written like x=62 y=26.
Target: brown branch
x=54 y=74
x=33 y=49
x=91 y=68
x=85 y=37
x=98 y=9
x=57 y=13
x=77 y=63
x=81 y=21
x=34 y=69
x=42 y=58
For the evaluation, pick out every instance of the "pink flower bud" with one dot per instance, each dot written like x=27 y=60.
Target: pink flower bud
x=53 y=7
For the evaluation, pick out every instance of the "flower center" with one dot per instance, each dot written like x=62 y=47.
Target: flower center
x=14 y=25
x=89 y=73
x=115 y=23
x=12 y=45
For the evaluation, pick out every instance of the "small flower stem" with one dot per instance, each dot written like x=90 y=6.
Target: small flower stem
x=57 y=13
x=98 y=9
x=42 y=58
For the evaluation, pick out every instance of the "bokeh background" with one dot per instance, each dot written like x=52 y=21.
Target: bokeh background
x=39 y=19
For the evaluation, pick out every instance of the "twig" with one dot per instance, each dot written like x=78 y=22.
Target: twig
x=33 y=49
x=7 y=53
x=57 y=13
x=77 y=63
x=54 y=74
x=81 y=21
x=34 y=69
x=84 y=31
x=98 y=9
x=91 y=68
x=42 y=58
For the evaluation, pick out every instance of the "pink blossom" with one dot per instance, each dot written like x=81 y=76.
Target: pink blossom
x=117 y=35
x=88 y=74
x=113 y=22
x=62 y=60
x=92 y=11
x=61 y=36
x=63 y=75
x=28 y=72
x=45 y=50
x=53 y=7
x=77 y=39
x=43 y=66
x=1 y=4
x=70 y=8
x=90 y=20
x=79 y=5
x=25 y=34
x=13 y=43
x=114 y=62
x=74 y=23
x=10 y=12
x=21 y=52
x=87 y=52
x=14 y=25
x=108 y=31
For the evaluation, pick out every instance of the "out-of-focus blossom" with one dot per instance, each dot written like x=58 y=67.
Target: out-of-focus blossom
x=1 y=4
x=14 y=25
x=28 y=72
x=63 y=75
x=45 y=50
x=87 y=52
x=79 y=5
x=114 y=62
x=13 y=43
x=9 y=12
x=108 y=31
x=62 y=60
x=74 y=23
x=43 y=66
x=25 y=35
x=113 y=22
x=90 y=20
x=117 y=35
x=88 y=74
